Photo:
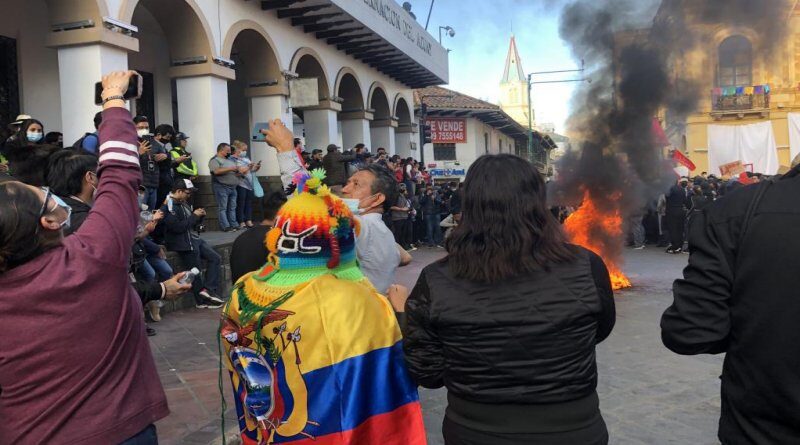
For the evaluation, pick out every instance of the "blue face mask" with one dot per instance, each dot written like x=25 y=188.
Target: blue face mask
x=34 y=136
x=67 y=208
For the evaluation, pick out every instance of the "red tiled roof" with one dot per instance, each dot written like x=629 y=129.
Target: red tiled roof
x=455 y=101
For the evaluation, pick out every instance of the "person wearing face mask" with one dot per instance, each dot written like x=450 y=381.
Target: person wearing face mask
x=88 y=374
x=147 y=162
x=31 y=132
x=244 y=191
x=161 y=147
x=225 y=176
x=368 y=193
x=73 y=177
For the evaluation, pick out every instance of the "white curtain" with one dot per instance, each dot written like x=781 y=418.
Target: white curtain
x=794 y=135
x=751 y=144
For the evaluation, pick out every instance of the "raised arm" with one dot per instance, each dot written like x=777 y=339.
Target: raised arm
x=282 y=139
x=109 y=230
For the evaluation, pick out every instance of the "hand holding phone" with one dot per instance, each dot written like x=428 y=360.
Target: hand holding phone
x=133 y=91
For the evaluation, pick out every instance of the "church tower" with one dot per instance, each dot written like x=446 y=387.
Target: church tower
x=514 y=87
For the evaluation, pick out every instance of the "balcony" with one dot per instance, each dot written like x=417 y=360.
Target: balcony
x=740 y=102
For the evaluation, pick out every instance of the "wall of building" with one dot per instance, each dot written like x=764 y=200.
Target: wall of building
x=468 y=152
x=775 y=65
x=37 y=64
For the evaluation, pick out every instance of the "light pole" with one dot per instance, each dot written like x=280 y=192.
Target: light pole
x=530 y=104
x=423 y=113
x=450 y=31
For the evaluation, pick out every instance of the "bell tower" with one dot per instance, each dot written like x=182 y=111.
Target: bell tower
x=514 y=86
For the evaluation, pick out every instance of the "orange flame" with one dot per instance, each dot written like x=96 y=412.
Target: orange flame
x=589 y=221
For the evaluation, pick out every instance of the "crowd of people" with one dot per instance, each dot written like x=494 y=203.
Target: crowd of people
x=508 y=321
x=167 y=220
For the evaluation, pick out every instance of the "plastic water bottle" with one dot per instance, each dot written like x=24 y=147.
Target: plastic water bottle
x=189 y=277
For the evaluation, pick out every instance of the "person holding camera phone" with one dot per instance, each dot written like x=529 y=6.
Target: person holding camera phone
x=147 y=162
x=87 y=373
x=179 y=219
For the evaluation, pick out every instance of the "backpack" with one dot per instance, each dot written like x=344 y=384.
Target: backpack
x=78 y=145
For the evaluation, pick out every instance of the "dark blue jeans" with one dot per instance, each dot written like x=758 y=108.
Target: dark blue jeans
x=226 y=200
x=244 y=204
x=433 y=232
x=150 y=198
x=147 y=436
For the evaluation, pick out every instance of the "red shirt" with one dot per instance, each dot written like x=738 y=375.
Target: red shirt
x=75 y=363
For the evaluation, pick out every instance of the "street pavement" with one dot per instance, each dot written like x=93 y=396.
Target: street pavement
x=648 y=395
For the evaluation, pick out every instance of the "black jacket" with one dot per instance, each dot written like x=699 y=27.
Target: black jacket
x=740 y=295
x=677 y=199
x=248 y=252
x=430 y=204
x=528 y=341
x=335 y=168
x=80 y=211
x=150 y=171
x=178 y=225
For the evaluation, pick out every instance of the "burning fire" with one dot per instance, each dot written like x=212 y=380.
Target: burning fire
x=598 y=231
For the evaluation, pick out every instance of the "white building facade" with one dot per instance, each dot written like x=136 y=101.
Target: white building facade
x=463 y=129
x=215 y=68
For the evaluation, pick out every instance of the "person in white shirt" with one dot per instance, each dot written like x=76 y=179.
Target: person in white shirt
x=368 y=193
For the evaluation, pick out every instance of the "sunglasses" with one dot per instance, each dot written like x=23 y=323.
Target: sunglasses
x=58 y=203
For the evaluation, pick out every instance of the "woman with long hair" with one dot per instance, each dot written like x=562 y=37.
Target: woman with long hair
x=509 y=320
x=86 y=373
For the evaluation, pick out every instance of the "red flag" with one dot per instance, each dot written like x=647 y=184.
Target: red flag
x=659 y=136
x=681 y=158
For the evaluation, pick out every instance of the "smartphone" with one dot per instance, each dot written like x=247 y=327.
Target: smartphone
x=134 y=90
x=257 y=135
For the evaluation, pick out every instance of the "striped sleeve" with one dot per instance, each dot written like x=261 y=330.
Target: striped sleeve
x=118 y=150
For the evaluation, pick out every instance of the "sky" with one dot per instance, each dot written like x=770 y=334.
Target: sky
x=483 y=30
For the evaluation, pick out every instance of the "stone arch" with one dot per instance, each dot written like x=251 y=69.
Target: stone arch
x=348 y=87
x=308 y=63
x=258 y=60
x=192 y=38
x=402 y=111
x=379 y=101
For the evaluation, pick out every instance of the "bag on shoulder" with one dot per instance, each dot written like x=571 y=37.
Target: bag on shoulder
x=78 y=145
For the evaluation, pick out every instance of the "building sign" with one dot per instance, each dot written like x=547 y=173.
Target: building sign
x=401 y=21
x=439 y=172
x=448 y=131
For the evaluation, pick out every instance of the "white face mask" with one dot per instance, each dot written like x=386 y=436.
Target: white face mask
x=142 y=132
x=352 y=204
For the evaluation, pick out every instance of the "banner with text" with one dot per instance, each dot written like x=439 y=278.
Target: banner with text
x=448 y=131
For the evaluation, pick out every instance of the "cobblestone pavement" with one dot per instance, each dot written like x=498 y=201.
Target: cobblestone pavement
x=648 y=395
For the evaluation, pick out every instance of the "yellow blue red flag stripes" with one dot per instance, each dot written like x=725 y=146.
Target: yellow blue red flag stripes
x=321 y=364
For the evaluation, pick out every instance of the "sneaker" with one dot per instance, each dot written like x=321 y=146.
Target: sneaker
x=413 y=248
x=208 y=303
x=639 y=247
x=211 y=297
x=150 y=331
x=155 y=310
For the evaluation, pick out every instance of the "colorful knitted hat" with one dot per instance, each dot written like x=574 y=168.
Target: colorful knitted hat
x=314 y=235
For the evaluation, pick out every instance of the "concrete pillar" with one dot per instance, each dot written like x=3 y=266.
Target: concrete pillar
x=79 y=68
x=403 y=138
x=355 y=129
x=321 y=125
x=382 y=135
x=265 y=109
x=203 y=115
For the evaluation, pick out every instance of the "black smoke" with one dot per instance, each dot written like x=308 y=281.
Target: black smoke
x=637 y=75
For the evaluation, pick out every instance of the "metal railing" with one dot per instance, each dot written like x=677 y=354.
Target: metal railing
x=740 y=98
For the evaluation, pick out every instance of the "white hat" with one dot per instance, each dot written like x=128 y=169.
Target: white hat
x=20 y=118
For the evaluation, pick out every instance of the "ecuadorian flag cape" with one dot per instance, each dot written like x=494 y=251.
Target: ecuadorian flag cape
x=320 y=363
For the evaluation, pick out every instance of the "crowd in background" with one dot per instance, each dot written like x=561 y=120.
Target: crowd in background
x=168 y=221
x=424 y=212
